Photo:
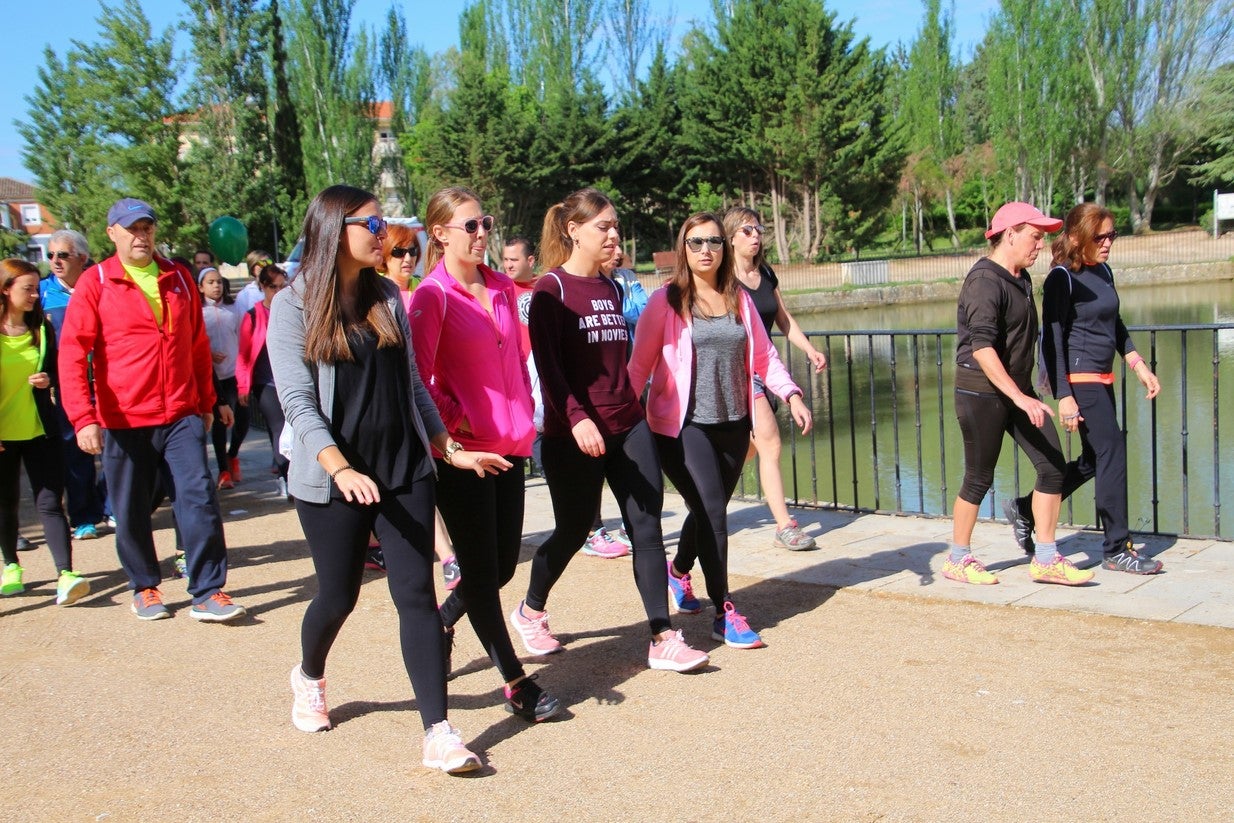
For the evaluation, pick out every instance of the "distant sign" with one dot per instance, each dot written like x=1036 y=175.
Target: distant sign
x=1223 y=206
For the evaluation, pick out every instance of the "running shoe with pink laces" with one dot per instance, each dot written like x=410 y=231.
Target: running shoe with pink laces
x=681 y=590
x=534 y=632
x=599 y=544
x=444 y=750
x=308 y=709
x=1062 y=571
x=673 y=655
x=968 y=570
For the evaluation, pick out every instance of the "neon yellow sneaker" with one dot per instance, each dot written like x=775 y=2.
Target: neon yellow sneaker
x=10 y=581
x=1061 y=571
x=70 y=588
x=968 y=570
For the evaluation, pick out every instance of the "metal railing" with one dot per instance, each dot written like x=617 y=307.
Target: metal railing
x=886 y=439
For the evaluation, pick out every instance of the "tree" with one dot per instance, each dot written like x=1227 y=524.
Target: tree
x=1214 y=119
x=405 y=74
x=102 y=126
x=332 y=82
x=928 y=99
x=229 y=163
x=291 y=195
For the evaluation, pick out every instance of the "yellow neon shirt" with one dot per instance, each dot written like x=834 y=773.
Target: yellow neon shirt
x=19 y=417
x=147 y=279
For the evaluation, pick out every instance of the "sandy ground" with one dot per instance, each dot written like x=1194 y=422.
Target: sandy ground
x=861 y=707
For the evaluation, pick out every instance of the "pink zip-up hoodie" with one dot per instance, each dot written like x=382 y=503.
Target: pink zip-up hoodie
x=471 y=361
x=664 y=351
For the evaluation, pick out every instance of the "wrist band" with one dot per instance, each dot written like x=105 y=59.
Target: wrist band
x=1134 y=361
x=339 y=470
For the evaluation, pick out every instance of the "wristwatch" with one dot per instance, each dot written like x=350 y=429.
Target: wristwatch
x=448 y=454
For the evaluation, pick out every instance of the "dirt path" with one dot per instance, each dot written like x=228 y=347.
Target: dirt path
x=862 y=707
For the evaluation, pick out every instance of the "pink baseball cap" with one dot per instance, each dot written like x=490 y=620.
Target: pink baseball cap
x=1015 y=213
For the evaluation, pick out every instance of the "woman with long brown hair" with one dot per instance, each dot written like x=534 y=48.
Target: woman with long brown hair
x=30 y=430
x=363 y=423
x=594 y=429
x=1082 y=332
x=701 y=343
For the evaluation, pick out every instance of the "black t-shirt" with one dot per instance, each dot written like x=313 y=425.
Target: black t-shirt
x=371 y=422
x=764 y=296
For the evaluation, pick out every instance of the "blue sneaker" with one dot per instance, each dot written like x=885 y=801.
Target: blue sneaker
x=682 y=592
x=732 y=628
x=86 y=531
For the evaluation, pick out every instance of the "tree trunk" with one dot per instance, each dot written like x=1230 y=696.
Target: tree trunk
x=955 y=237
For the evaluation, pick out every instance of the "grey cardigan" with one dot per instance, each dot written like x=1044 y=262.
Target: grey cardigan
x=306 y=390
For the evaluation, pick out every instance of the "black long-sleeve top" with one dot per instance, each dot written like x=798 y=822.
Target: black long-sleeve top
x=1083 y=329
x=995 y=310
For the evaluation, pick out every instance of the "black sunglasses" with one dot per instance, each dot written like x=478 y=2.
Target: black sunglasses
x=748 y=230
x=712 y=243
x=376 y=225
x=399 y=251
x=472 y=225
x=1098 y=239
x=60 y=255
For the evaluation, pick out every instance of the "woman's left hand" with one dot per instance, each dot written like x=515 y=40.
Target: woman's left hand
x=1149 y=380
x=40 y=380
x=481 y=463
x=818 y=360
x=801 y=413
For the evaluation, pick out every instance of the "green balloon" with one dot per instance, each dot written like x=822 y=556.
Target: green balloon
x=229 y=240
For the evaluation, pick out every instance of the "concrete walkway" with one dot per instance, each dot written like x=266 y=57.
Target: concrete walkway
x=903 y=556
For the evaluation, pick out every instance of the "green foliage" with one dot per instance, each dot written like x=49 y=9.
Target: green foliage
x=101 y=125
x=704 y=198
x=1214 y=119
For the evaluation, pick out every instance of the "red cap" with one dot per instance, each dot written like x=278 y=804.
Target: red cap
x=1015 y=213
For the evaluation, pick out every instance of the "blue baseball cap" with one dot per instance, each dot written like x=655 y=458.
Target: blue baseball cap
x=127 y=211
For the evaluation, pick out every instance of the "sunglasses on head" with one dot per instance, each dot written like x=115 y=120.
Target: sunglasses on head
x=398 y=252
x=748 y=230
x=472 y=225
x=60 y=255
x=712 y=243
x=376 y=225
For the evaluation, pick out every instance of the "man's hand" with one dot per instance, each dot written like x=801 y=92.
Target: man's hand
x=90 y=439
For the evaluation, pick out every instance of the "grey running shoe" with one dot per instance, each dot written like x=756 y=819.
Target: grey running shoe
x=148 y=605
x=1131 y=561
x=450 y=573
x=1021 y=519
x=527 y=700
x=24 y=545
x=791 y=537
x=217 y=608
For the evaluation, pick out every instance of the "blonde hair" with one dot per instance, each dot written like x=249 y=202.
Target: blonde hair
x=441 y=208
x=581 y=206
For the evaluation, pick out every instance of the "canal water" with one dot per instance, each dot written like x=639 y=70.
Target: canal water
x=886 y=436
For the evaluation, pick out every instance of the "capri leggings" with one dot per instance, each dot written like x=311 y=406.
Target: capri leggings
x=984 y=418
x=484 y=516
x=704 y=462
x=632 y=468
x=337 y=534
x=45 y=470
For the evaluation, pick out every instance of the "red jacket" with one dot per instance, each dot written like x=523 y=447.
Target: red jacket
x=145 y=374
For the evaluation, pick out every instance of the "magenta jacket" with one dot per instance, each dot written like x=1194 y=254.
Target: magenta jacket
x=252 y=338
x=472 y=363
x=664 y=351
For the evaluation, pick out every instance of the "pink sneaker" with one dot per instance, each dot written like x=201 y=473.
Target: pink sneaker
x=599 y=544
x=308 y=711
x=673 y=655
x=534 y=631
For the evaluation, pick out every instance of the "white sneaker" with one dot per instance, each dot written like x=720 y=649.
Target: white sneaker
x=308 y=710
x=444 y=749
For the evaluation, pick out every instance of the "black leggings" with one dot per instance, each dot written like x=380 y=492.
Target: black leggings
x=225 y=390
x=337 y=534
x=1104 y=456
x=267 y=399
x=984 y=418
x=484 y=516
x=45 y=470
x=632 y=468
x=704 y=462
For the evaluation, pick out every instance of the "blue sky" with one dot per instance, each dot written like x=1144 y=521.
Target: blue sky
x=433 y=25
